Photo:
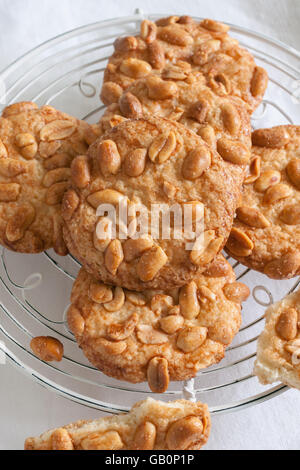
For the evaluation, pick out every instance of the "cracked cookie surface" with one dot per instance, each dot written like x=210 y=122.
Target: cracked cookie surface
x=266 y=231
x=149 y=161
x=37 y=146
x=278 y=347
x=150 y=425
x=165 y=47
x=157 y=335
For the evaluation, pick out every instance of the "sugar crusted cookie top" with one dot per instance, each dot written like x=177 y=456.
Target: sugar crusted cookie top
x=278 y=347
x=163 y=47
x=150 y=425
x=149 y=161
x=266 y=232
x=37 y=146
x=157 y=335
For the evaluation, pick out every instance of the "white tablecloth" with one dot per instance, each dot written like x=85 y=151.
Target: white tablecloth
x=27 y=409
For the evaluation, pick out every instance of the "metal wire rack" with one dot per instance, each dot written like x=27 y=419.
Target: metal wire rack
x=34 y=290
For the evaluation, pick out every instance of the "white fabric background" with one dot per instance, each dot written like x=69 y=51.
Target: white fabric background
x=27 y=409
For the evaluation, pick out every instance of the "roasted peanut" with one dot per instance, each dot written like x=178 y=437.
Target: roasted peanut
x=108 y=158
x=100 y=293
x=233 y=151
x=162 y=148
x=231 y=118
x=204 y=294
x=135 y=68
x=205 y=248
x=277 y=193
x=221 y=85
x=57 y=130
x=113 y=348
x=70 y=204
x=171 y=323
x=113 y=256
x=239 y=243
x=275 y=137
x=159 y=89
x=135 y=162
x=252 y=217
x=136 y=298
x=286 y=326
x=156 y=55
x=254 y=170
x=58 y=160
x=3 y=150
x=117 y=302
x=188 y=301
x=80 y=172
x=47 y=348
x=196 y=163
x=285 y=267
x=259 y=82
x=135 y=248
x=167 y=21
x=198 y=110
x=109 y=440
x=147 y=335
x=161 y=304
x=18 y=108
x=214 y=26
x=290 y=215
x=55 y=176
x=236 y=292
x=191 y=338
x=267 y=179
x=61 y=440
x=293 y=172
x=121 y=331
x=110 y=93
x=148 y=31
x=169 y=189
x=151 y=263
x=158 y=374
x=126 y=44
x=184 y=433
x=144 y=436
x=27 y=144
x=208 y=135
x=220 y=332
x=130 y=106
x=9 y=167
x=75 y=320
x=106 y=196
x=205 y=49
x=175 y=35
x=19 y=223
x=56 y=192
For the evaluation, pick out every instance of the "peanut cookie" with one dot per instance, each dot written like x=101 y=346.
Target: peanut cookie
x=150 y=425
x=278 y=347
x=266 y=231
x=37 y=146
x=144 y=163
x=173 y=46
x=222 y=122
x=157 y=335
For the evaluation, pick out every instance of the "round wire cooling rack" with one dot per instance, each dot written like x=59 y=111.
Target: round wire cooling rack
x=66 y=72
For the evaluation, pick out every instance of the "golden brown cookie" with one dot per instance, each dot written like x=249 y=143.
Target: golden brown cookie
x=278 y=347
x=37 y=146
x=150 y=425
x=175 y=43
x=157 y=335
x=222 y=122
x=149 y=161
x=266 y=231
